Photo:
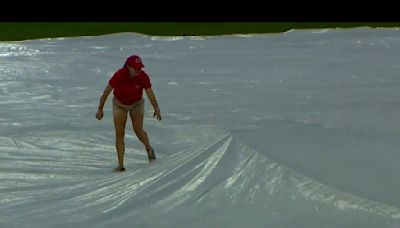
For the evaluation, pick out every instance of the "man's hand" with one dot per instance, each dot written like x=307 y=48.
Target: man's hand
x=157 y=114
x=99 y=114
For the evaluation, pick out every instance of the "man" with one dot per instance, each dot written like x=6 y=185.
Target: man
x=128 y=84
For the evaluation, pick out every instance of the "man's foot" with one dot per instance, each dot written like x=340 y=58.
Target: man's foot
x=150 y=154
x=119 y=169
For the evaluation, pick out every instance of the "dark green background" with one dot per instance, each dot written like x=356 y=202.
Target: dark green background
x=11 y=31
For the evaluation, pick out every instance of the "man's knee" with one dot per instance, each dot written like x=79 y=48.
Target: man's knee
x=140 y=132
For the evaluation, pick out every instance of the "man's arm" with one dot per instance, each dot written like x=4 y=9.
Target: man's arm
x=153 y=100
x=103 y=99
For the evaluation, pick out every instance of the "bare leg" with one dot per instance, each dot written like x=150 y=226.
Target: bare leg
x=137 y=122
x=120 y=117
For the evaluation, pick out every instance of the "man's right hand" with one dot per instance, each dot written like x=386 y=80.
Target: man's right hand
x=99 y=114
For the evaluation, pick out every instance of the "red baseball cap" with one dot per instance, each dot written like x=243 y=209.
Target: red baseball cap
x=135 y=62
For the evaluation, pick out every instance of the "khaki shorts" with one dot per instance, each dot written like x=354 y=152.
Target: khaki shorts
x=135 y=108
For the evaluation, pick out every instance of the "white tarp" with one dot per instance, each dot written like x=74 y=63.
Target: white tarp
x=299 y=129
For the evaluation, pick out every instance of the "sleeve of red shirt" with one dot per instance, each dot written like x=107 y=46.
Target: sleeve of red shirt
x=146 y=81
x=113 y=80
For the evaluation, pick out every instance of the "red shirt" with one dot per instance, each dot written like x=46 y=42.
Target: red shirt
x=127 y=89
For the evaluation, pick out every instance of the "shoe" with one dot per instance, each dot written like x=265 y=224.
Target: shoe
x=119 y=169
x=151 y=155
